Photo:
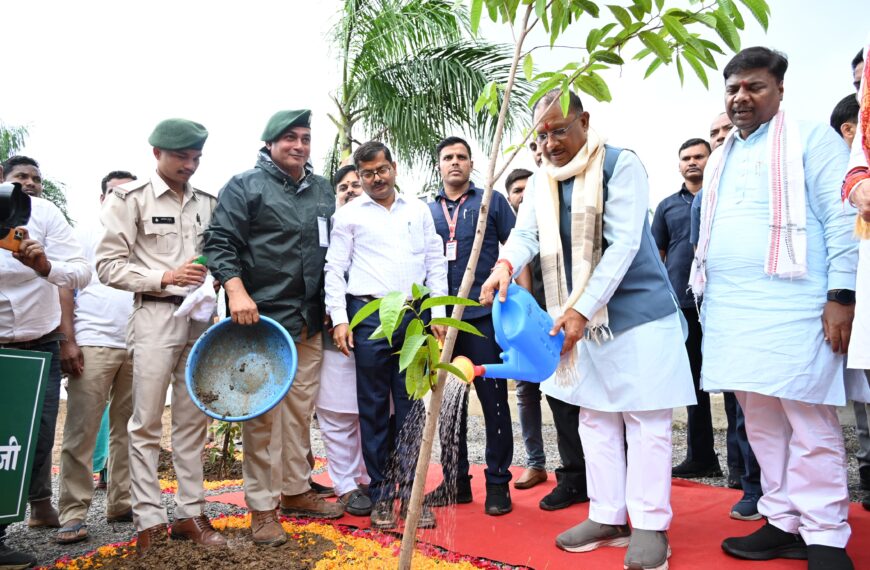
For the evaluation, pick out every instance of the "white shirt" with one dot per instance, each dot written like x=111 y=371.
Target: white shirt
x=29 y=303
x=101 y=312
x=383 y=250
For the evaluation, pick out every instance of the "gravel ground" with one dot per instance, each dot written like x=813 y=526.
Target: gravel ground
x=40 y=542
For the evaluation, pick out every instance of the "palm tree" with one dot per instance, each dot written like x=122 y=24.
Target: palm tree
x=411 y=74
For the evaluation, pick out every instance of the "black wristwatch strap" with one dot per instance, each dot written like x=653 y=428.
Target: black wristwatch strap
x=842 y=296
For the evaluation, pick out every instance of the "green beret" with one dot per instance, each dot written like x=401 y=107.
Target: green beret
x=178 y=134
x=283 y=120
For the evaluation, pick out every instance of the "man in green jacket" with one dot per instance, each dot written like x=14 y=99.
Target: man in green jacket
x=267 y=221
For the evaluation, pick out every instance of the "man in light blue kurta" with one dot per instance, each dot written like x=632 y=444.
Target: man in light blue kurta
x=778 y=340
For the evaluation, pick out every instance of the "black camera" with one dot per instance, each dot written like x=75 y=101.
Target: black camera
x=14 y=212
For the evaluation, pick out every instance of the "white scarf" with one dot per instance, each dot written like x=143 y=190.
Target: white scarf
x=786 y=256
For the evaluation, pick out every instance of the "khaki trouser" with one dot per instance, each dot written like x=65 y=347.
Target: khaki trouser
x=107 y=376
x=161 y=345
x=283 y=432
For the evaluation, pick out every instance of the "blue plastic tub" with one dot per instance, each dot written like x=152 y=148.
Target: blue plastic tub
x=237 y=372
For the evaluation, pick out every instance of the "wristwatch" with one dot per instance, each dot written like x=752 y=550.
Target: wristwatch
x=842 y=296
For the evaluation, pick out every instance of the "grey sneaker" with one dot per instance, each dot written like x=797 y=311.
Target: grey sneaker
x=589 y=535
x=648 y=550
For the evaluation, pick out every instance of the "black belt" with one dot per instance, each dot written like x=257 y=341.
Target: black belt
x=31 y=344
x=174 y=299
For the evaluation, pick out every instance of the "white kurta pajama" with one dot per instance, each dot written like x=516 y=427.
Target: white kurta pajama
x=338 y=417
x=763 y=335
x=628 y=384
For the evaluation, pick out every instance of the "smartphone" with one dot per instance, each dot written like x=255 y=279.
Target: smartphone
x=12 y=240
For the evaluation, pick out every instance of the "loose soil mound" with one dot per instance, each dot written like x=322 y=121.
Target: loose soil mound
x=210 y=470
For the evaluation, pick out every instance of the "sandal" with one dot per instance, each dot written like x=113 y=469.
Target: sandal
x=75 y=531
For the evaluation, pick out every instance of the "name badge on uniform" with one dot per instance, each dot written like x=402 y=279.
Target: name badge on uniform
x=162 y=220
x=450 y=250
x=323 y=231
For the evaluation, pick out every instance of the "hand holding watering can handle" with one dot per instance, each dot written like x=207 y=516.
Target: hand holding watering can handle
x=574 y=324
x=499 y=280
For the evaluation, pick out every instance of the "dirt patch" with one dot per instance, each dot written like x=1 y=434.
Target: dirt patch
x=208 y=397
x=302 y=551
x=211 y=470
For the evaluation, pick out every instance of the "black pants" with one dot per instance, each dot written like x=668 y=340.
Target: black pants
x=700 y=421
x=377 y=379
x=572 y=473
x=492 y=393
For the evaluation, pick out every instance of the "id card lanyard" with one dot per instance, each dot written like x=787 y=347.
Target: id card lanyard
x=450 y=248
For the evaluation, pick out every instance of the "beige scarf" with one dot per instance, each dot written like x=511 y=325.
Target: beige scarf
x=587 y=208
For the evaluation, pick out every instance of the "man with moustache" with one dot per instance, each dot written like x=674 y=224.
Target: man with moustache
x=456 y=210
x=719 y=130
x=267 y=244
x=153 y=235
x=104 y=373
x=776 y=265
x=381 y=242
x=586 y=213
x=336 y=404
x=48 y=258
x=670 y=228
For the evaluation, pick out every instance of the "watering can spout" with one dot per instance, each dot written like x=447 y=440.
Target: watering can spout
x=522 y=330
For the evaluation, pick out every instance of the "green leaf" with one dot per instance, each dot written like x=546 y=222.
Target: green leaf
x=696 y=65
x=409 y=350
x=544 y=87
x=636 y=11
x=419 y=291
x=642 y=54
x=528 y=67
x=607 y=57
x=390 y=312
x=593 y=85
x=565 y=98
x=377 y=333
x=621 y=14
x=680 y=69
x=476 y=11
x=443 y=300
x=363 y=313
x=760 y=10
x=434 y=349
x=589 y=7
x=652 y=67
x=453 y=370
x=707 y=19
x=414 y=327
x=593 y=38
x=413 y=376
x=659 y=4
x=645 y=5
x=457 y=324
x=482 y=101
x=658 y=46
x=727 y=30
x=541 y=8
x=675 y=28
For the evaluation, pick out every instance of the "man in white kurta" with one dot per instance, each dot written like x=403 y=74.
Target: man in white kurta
x=629 y=379
x=778 y=278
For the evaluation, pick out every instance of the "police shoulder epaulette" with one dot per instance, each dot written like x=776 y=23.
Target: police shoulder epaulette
x=122 y=190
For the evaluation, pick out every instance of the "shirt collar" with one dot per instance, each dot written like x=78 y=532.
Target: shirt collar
x=160 y=187
x=761 y=131
x=470 y=190
x=365 y=199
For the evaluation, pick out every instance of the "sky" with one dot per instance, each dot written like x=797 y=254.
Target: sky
x=91 y=79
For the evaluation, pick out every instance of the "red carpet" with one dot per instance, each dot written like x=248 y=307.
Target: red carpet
x=526 y=536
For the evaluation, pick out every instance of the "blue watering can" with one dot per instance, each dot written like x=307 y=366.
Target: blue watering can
x=238 y=372
x=522 y=330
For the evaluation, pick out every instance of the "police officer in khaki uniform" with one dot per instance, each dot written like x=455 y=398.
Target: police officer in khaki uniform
x=153 y=233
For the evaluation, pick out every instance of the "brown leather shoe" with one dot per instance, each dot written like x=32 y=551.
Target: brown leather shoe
x=308 y=504
x=43 y=514
x=149 y=537
x=266 y=530
x=199 y=530
x=530 y=477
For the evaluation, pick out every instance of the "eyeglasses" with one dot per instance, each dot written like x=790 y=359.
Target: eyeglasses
x=557 y=134
x=381 y=171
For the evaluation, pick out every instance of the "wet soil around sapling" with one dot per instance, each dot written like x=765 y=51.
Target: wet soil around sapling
x=302 y=551
x=210 y=470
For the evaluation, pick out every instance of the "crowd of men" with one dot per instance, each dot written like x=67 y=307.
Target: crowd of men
x=743 y=282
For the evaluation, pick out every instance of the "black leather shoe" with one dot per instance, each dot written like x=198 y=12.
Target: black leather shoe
x=442 y=496
x=14 y=559
x=562 y=497
x=696 y=469
x=498 y=499
x=828 y=558
x=766 y=543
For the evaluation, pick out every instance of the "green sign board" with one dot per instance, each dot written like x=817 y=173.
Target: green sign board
x=23 y=376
